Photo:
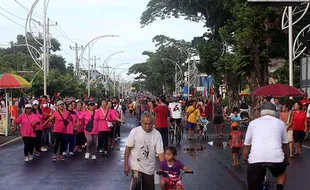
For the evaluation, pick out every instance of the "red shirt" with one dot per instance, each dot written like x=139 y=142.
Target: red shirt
x=299 y=120
x=303 y=101
x=162 y=114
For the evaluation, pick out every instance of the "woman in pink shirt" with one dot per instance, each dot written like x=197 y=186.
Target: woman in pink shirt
x=61 y=117
x=112 y=117
x=28 y=122
x=80 y=137
x=39 y=129
x=104 y=130
x=71 y=130
x=91 y=130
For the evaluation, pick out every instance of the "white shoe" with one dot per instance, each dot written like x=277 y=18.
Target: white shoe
x=26 y=159
x=105 y=152
x=93 y=157
x=30 y=157
x=87 y=155
x=118 y=138
x=43 y=149
x=64 y=153
x=71 y=153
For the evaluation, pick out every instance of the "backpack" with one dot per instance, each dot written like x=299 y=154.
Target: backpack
x=236 y=139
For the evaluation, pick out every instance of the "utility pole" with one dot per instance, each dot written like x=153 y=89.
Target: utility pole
x=77 y=48
x=106 y=80
x=94 y=67
x=114 y=82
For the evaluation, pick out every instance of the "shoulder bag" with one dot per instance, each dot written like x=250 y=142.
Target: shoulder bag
x=66 y=122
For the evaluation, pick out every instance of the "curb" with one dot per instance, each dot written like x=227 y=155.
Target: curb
x=13 y=140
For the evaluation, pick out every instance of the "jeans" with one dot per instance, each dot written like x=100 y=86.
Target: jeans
x=46 y=137
x=69 y=141
x=29 y=143
x=103 y=140
x=38 y=140
x=59 y=142
x=164 y=136
x=92 y=143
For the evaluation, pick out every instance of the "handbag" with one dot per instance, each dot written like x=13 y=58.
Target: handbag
x=66 y=122
x=90 y=125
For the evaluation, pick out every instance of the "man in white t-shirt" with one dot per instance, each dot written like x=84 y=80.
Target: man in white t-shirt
x=266 y=145
x=175 y=112
x=143 y=143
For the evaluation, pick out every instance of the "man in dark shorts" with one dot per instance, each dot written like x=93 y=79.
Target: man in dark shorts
x=269 y=149
x=218 y=115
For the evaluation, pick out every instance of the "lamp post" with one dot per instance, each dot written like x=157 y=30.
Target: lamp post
x=176 y=66
x=113 y=69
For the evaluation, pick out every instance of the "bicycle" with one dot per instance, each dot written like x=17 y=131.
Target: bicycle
x=203 y=131
x=176 y=133
x=267 y=184
x=173 y=181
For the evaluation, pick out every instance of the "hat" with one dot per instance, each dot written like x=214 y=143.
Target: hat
x=269 y=106
x=28 y=106
x=234 y=124
x=91 y=104
x=60 y=102
x=35 y=102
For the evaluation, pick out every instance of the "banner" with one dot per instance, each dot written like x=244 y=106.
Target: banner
x=3 y=124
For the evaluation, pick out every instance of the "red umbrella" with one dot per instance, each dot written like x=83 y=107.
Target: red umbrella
x=277 y=90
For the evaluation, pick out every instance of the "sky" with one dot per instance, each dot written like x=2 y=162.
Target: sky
x=79 y=21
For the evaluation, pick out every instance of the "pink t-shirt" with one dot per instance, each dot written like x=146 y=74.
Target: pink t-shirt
x=82 y=124
x=101 y=119
x=72 y=123
x=59 y=126
x=113 y=115
x=26 y=121
x=86 y=117
x=41 y=117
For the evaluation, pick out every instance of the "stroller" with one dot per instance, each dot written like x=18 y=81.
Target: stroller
x=203 y=123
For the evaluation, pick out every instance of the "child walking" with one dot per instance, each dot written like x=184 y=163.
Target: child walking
x=235 y=142
x=172 y=167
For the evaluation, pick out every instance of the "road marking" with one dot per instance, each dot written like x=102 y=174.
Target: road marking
x=308 y=147
x=13 y=140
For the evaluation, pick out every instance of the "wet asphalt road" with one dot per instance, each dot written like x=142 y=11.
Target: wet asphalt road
x=212 y=168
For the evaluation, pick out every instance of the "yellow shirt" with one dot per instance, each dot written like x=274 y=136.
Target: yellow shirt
x=193 y=114
x=130 y=107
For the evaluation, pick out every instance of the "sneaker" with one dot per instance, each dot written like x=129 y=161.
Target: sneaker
x=54 y=157
x=118 y=138
x=64 y=153
x=115 y=139
x=87 y=155
x=105 y=152
x=79 y=150
x=26 y=159
x=61 y=158
x=30 y=157
x=100 y=151
x=71 y=153
x=93 y=157
x=38 y=154
x=43 y=149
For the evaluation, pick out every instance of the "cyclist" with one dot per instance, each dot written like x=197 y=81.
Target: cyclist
x=266 y=142
x=175 y=112
x=172 y=167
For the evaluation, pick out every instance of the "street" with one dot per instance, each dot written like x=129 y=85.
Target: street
x=211 y=162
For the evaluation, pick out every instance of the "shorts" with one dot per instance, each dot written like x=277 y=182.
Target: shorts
x=235 y=150
x=141 y=180
x=290 y=135
x=256 y=173
x=179 y=183
x=218 y=120
x=130 y=111
x=178 y=121
x=191 y=125
x=298 y=136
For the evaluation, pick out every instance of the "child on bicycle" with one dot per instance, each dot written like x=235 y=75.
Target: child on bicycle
x=235 y=142
x=173 y=167
x=203 y=121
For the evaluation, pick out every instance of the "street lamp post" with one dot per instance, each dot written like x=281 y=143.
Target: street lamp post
x=176 y=65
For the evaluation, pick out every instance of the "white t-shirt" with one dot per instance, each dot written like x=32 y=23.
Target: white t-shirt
x=175 y=110
x=308 y=110
x=266 y=135
x=144 y=148
x=119 y=109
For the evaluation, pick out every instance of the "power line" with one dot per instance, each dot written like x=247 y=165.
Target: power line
x=12 y=20
x=12 y=14
x=27 y=9
x=64 y=34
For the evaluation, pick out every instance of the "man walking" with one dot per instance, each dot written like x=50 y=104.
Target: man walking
x=143 y=143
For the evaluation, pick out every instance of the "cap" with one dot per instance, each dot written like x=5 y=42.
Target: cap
x=28 y=106
x=35 y=102
x=91 y=104
x=60 y=102
x=269 y=106
x=203 y=115
x=234 y=124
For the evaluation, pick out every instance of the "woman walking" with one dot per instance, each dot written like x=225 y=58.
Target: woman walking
x=28 y=122
x=299 y=125
x=112 y=118
x=60 y=128
x=80 y=137
x=104 y=130
x=71 y=130
x=91 y=130
x=39 y=129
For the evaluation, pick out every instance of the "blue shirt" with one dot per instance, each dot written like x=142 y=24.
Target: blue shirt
x=235 y=118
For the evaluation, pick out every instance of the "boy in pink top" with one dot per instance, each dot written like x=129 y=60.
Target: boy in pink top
x=28 y=122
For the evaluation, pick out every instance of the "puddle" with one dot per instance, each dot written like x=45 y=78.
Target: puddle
x=219 y=144
x=194 y=151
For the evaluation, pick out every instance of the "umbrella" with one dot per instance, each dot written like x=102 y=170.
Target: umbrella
x=245 y=92
x=277 y=90
x=13 y=81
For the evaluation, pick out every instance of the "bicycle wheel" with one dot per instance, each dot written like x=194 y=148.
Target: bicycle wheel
x=178 y=135
x=171 y=135
x=266 y=187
